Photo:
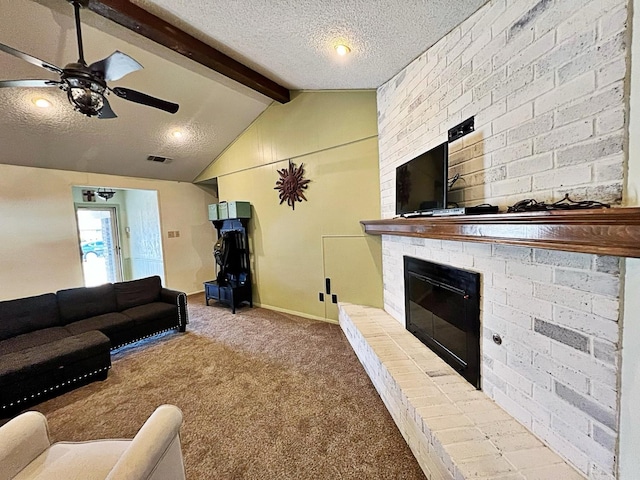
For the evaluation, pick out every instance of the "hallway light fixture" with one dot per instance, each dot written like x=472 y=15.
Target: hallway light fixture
x=106 y=193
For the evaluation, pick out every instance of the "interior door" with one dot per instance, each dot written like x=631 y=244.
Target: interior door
x=99 y=245
x=352 y=272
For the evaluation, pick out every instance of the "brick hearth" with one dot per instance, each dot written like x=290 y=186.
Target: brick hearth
x=455 y=431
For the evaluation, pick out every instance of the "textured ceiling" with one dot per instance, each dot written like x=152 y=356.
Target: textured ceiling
x=289 y=41
x=293 y=41
x=211 y=113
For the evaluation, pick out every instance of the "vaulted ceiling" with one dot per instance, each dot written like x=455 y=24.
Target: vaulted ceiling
x=288 y=41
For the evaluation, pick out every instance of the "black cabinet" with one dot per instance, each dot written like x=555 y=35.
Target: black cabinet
x=231 y=293
x=233 y=283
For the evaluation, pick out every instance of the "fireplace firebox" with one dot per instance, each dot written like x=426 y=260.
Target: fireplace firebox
x=442 y=306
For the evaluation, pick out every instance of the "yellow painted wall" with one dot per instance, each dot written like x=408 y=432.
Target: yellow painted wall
x=334 y=134
x=39 y=241
x=310 y=122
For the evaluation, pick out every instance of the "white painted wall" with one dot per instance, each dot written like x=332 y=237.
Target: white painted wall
x=629 y=443
x=39 y=241
x=145 y=239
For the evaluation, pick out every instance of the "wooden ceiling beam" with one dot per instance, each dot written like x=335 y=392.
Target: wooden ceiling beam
x=130 y=16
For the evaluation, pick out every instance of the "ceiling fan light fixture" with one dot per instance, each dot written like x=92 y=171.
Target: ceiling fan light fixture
x=86 y=85
x=87 y=96
x=177 y=134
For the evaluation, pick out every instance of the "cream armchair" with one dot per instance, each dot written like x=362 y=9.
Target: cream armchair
x=154 y=453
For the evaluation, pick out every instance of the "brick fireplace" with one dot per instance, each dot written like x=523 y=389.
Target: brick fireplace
x=556 y=370
x=545 y=81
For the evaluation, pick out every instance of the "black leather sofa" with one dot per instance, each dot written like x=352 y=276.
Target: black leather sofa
x=54 y=342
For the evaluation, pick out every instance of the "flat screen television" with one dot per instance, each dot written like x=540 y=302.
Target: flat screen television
x=421 y=183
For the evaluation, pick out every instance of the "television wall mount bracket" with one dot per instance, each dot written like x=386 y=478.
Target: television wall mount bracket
x=462 y=129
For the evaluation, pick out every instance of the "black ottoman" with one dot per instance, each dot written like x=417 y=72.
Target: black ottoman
x=30 y=375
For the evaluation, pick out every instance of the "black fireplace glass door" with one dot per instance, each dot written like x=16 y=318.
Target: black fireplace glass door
x=442 y=307
x=438 y=313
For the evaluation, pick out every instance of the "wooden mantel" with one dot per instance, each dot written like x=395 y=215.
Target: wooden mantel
x=603 y=231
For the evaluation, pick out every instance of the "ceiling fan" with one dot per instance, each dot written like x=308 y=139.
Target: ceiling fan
x=86 y=85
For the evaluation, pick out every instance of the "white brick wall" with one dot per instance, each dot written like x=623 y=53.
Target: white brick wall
x=545 y=80
x=541 y=77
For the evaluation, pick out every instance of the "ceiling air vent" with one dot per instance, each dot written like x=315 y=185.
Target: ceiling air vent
x=156 y=158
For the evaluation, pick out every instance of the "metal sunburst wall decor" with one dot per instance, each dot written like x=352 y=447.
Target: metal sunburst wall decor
x=291 y=184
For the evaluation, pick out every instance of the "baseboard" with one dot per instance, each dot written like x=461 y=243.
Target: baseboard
x=292 y=312
x=283 y=310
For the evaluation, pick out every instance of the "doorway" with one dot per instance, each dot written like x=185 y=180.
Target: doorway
x=99 y=245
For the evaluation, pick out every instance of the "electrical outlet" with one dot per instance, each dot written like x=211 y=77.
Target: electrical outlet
x=177 y=233
x=171 y=234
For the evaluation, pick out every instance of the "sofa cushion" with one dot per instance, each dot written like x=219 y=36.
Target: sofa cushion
x=151 y=312
x=84 y=302
x=137 y=292
x=25 y=315
x=35 y=360
x=109 y=324
x=33 y=339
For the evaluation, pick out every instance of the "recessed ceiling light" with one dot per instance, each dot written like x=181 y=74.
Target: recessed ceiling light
x=342 y=49
x=41 y=102
x=177 y=134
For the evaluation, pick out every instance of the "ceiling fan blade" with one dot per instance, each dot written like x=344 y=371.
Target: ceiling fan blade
x=29 y=83
x=115 y=66
x=145 y=99
x=29 y=58
x=106 y=111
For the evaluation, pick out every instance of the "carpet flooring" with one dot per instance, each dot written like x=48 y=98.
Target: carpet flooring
x=265 y=395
